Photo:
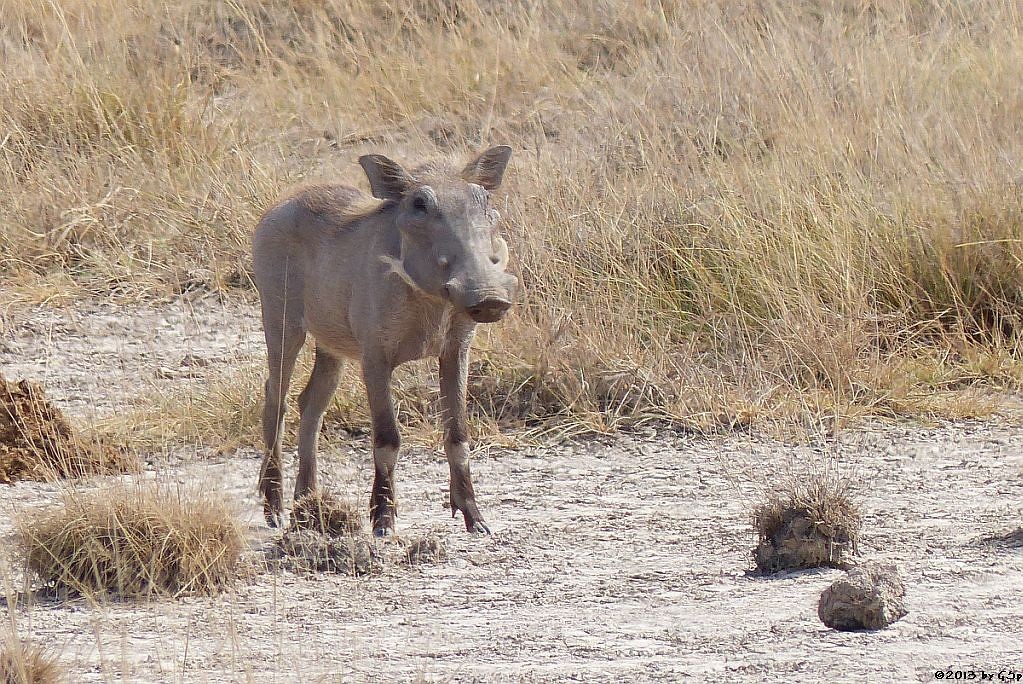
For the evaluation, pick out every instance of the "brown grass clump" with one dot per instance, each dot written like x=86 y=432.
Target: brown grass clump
x=38 y=443
x=813 y=523
x=22 y=663
x=323 y=512
x=302 y=550
x=133 y=542
x=423 y=550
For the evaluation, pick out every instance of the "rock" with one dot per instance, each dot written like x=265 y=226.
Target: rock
x=871 y=596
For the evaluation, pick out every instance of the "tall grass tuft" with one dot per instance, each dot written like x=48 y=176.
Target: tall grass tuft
x=132 y=542
x=24 y=663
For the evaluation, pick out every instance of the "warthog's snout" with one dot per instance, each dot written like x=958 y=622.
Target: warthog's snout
x=484 y=304
x=489 y=310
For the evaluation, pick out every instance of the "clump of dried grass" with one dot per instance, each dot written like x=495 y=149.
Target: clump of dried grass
x=38 y=443
x=809 y=523
x=24 y=663
x=134 y=542
x=305 y=550
x=321 y=511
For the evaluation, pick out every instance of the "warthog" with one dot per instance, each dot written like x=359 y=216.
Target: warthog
x=408 y=278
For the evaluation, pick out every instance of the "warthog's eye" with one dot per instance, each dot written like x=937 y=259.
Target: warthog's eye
x=494 y=259
x=443 y=261
x=419 y=204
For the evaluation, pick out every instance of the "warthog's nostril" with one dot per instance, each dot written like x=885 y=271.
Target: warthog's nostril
x=489 y=310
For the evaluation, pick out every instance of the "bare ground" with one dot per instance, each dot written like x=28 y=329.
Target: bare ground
x=612 y=560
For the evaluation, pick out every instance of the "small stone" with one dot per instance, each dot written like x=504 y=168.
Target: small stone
x=871 y=596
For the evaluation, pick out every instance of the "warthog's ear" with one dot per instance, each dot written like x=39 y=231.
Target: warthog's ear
x=387 y=180
x=488 y=168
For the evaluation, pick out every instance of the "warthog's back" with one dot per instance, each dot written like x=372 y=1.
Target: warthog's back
x=298 y=224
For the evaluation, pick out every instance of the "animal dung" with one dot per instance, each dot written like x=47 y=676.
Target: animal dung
x=426 y=549
x=326 y=535
x=871 y=596
x=38 y=443
x=813 y=525
x=311 y=551
x=322 y=512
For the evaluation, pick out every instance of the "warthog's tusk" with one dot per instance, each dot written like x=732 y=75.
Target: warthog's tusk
x=502 y=252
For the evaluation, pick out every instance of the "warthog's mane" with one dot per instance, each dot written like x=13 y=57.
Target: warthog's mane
x=435 y=171
x=341 y=205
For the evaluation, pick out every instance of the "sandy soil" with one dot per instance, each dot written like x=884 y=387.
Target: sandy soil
x=612 y=560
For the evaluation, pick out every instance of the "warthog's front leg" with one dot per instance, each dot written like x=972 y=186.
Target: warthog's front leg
x=454 y=368
x=386 y=443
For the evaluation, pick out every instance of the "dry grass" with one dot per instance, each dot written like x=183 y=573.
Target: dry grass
x=323 y=512
x=37 y=441
x=808 y=522
x=786 y=211
x=23 y=663
x=424 y=550
x=132 y=542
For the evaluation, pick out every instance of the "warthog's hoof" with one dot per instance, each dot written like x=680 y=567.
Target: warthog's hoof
x=477 y=527
x=471 y=513
x=383 y=526
x=274 y=517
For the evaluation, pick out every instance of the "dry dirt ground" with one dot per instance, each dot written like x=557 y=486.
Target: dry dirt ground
x=615 y=560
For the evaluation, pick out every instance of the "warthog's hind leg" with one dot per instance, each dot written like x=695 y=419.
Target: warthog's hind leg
x=313 y=403
x=282 y=349
x=386 y=443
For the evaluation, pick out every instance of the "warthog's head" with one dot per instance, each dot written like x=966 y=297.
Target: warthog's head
x=450 y=247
